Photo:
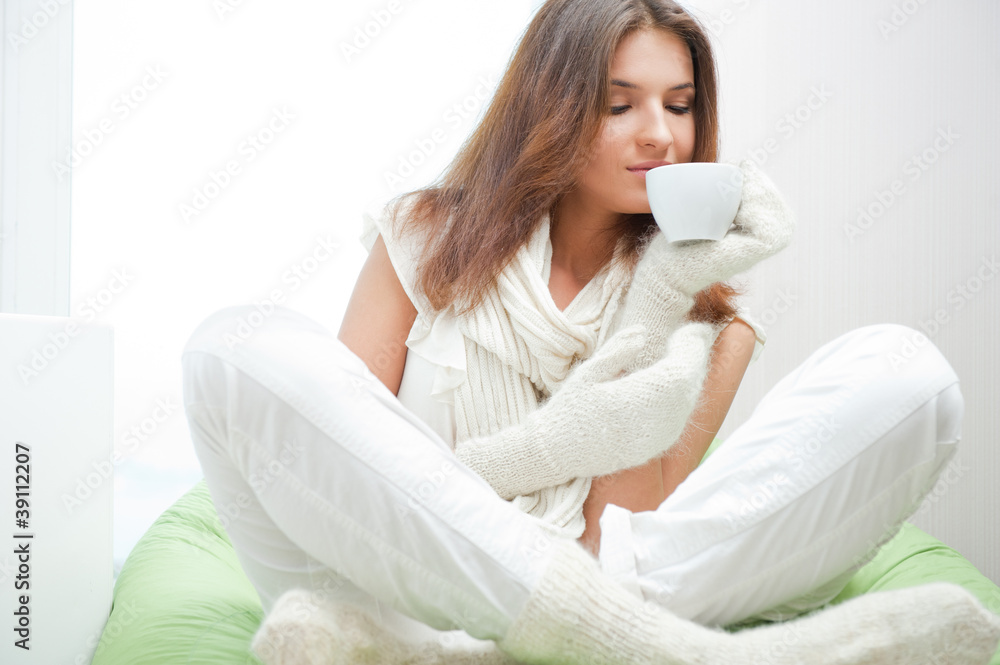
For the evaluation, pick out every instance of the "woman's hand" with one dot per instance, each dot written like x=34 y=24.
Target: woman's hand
x=598 y=421
x=763 y=226
x=669 y=275
x=646 y=487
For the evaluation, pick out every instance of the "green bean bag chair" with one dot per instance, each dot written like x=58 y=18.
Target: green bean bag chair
x=181 y=596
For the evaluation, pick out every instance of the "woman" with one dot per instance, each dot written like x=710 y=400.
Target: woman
x=558 y=340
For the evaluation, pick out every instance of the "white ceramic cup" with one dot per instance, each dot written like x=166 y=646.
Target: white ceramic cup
x=695 y=200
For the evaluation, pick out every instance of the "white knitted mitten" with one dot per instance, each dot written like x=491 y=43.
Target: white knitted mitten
x=669 y=275
x=302 y=629
x=578 y=615
x=598 y=421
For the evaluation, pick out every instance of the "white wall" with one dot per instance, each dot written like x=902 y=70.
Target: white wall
x=223 y=74
x=887 y=81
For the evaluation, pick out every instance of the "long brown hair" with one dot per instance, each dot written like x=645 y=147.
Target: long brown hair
x=534 y=138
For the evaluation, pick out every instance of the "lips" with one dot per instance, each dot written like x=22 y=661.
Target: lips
x=646 y=166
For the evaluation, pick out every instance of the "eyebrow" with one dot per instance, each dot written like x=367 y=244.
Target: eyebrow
x=627 y=84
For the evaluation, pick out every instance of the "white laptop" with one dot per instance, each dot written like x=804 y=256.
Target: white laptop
x=56 y=565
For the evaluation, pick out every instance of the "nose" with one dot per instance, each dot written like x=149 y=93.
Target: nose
x=655 y=129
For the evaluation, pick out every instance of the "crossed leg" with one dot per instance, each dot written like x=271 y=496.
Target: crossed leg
x=337 y=484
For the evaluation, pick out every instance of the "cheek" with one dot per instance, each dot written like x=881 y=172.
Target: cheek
x=602 y=161
x=689 y=140
x=610 y=150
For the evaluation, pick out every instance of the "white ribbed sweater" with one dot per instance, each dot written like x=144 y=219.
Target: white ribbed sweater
x=518 y=347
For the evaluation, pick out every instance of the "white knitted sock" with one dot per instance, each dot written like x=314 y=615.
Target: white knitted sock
x=578 y=615
x=302 y=629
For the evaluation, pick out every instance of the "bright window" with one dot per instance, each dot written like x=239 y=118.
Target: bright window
x=217 y=145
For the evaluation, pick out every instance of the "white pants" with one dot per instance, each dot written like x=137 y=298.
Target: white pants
x=324 y=481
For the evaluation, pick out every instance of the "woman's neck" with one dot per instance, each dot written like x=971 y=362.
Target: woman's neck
x=582 y=241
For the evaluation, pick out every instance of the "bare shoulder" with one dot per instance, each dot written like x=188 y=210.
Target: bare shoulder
x=740 y=329
x=734 y=347
x=378 y=318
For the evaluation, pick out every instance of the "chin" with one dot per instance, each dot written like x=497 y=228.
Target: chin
x=633 y=206
x=641 y=205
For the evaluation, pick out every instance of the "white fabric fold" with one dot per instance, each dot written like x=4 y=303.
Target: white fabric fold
x=438 y=340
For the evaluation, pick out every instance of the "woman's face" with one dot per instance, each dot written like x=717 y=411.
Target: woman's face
x=650 y=122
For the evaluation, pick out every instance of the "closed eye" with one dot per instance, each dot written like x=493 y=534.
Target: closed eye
x=676 y=110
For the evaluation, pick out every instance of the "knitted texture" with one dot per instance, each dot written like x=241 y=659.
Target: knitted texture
x=305 y=629
x=597 y=425
x=669 y=275
x=519 y=348
x=516 y=346
x=520 y=345
x=599 y=422
x=576 y=615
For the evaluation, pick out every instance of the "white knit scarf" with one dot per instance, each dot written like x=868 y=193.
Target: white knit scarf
x=519 y=346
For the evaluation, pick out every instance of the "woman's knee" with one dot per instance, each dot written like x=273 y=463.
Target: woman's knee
x=907 y=373
x=869 y=381
x=276 y=346
x=898 y=350
x=202 y=360
x=270 y=343
x=287 y=364
x=226 y=329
